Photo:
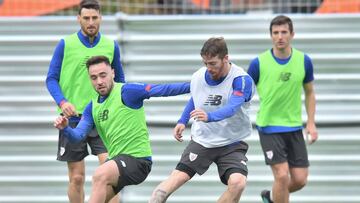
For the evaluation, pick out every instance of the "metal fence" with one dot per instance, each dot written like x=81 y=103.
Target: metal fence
x=170 y=7
x=217 y=6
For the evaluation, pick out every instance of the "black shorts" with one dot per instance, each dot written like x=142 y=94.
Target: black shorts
x=285 y=147
x=68 y=151
x=132 y=170
x=229 y=159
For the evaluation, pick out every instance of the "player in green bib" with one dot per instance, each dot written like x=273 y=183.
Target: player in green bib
x=281 y=74
x=69 y=85
x=117 y=112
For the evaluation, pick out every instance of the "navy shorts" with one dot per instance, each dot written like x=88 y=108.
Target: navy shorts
x=229 y=159
x=132 y=170
x=70 y=152
x=285 y=147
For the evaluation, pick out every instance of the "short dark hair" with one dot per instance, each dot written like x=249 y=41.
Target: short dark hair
x=281 y=20
x=215 y=46
x=89 y=4
x=97 y=60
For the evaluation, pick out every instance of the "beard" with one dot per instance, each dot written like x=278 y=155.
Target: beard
x=105 y=90
x=91 y=31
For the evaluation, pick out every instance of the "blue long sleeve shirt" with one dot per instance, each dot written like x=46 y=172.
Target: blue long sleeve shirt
x=242 y=92
x=53 y=76
x=254 y=72
x=133 y=96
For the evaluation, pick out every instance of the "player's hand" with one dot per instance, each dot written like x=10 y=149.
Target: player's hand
x=311 y=132
x=199 y=115
x=178 y=130
x=61 y=122
x=68 y=109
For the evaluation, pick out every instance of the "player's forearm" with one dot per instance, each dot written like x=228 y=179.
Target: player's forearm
x=55 y=90
x=228 y=110
x=75 y=135
x=310 y=105
x=71 y=135
x=80 y=132
x=171 y=89
x=185 y=116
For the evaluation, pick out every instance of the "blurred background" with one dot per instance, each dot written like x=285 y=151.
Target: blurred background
x=160 y=42
x=163 y=7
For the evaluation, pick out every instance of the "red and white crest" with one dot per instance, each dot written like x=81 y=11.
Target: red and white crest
x=192 y=156
x=269 y=154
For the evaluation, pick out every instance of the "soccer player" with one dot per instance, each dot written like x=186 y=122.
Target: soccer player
x=220 y=95
x=280 y=75
x=69 y=85
x=118 y=114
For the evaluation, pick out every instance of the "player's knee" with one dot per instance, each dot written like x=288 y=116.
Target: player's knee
x=99 y=178
x=299 y=183
x=282 y=179
x=77 y=180
x=237 y=182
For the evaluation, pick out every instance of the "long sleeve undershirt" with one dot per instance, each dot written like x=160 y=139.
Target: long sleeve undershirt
x=239 y=96
x=133 y=96
x=53 y=76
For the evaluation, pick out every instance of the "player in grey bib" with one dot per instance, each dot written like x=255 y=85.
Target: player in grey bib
x=220 y=98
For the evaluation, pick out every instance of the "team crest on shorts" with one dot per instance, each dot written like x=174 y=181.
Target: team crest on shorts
x=123 y=163
x=269 y=154
x=62 y=151
x=192 y=156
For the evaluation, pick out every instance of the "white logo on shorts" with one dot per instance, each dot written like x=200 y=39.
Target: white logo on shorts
x=269 y=154
x=123 y=163
x=192 y=156
x=62 y=151
x=243 y=162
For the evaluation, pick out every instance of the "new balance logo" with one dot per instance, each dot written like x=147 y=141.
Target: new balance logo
x=213 y=100
x=284 y=76
x=83 y=62
x=103 y=116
